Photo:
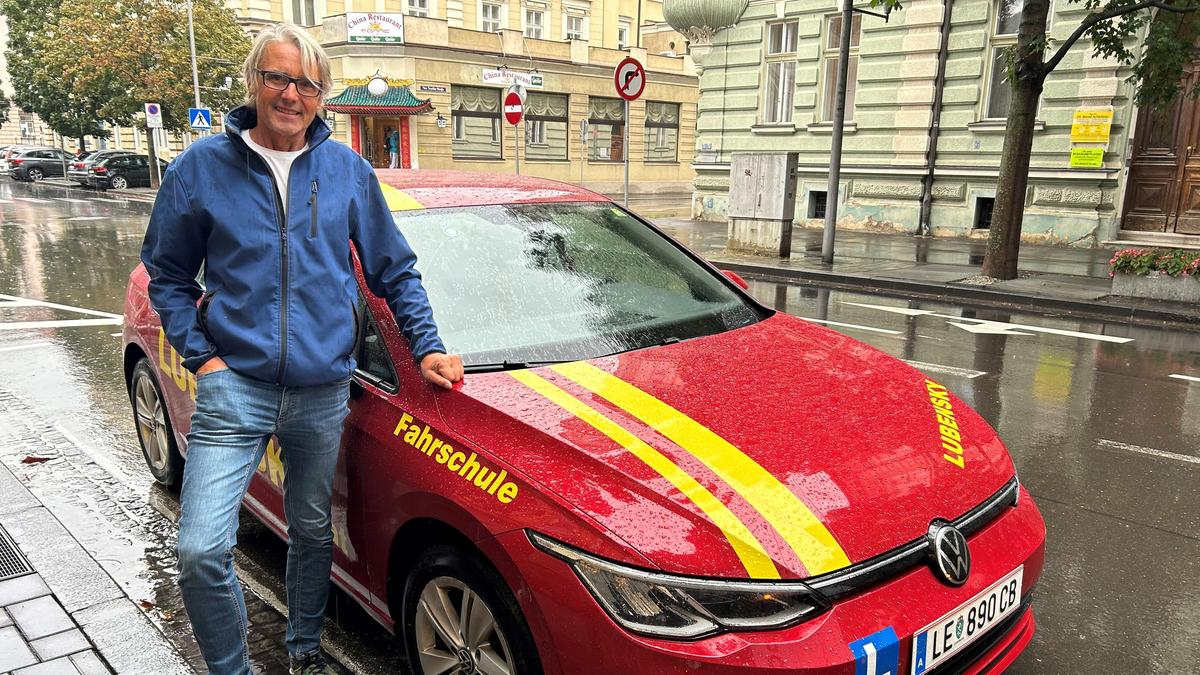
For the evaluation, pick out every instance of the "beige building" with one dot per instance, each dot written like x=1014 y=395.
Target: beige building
x=449 y=63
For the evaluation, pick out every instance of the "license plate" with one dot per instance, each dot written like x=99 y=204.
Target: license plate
x=942 y=639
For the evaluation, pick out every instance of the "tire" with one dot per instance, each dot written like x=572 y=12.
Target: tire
x=118 y=182
x=153 y=423
x=35 y=174
x=460 y=579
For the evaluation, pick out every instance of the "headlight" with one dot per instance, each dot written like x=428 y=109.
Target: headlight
x=686 y=608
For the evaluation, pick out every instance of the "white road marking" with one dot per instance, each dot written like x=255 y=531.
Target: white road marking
x=1148 y=451
x=106 y=199
x=851 y=325
x=69 y=308
x=88 y=218
x=1189 y=378
x=70 y=323
x=115 y=334
x=27 y=345
x=32 y=199
x=947 y=370
x=888 y=308
x=70 y=199
x=987 y=329
x=1039 y=329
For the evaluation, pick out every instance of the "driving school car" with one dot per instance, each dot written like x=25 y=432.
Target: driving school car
x=644 y=469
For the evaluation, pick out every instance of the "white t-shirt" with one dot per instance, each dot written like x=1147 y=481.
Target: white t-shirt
x=280 y=163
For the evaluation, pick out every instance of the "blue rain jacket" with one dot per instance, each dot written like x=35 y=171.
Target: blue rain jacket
x=280 y=299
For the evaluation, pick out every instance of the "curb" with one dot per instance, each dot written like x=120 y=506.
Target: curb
x=1036 y=304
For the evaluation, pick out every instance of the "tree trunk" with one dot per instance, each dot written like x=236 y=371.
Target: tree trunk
x=1004 y=239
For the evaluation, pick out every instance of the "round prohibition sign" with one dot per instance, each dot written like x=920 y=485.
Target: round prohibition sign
x=630 y=79
x=514 y=109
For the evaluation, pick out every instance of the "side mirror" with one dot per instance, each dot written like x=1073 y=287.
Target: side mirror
x=737 y=279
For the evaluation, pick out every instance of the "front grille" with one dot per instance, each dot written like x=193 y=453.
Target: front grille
x=974 y=651
x=856 y=578
x=12 y=563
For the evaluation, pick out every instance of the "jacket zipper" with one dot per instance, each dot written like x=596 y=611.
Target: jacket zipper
x=283 y=271
x=312 y=199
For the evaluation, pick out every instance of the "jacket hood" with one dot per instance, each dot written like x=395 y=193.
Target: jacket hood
x=779 y=449
x=245 y=117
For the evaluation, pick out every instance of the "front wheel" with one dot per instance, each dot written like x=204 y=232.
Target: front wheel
x=36 y=175
x=155 y=434
x=119 y=183
x=460 y=618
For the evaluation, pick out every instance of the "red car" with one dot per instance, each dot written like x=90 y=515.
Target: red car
x=644 y=470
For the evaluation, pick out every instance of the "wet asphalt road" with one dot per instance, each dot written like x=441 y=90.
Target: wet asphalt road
x=1105 y=434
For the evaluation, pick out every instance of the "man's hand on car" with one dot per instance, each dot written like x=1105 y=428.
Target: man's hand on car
x=442 y=369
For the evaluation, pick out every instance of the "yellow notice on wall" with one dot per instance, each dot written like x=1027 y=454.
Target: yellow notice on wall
x=1087 y=158
x=1091 y=125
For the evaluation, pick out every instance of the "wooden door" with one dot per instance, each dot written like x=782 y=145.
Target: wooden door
x=1163 y=192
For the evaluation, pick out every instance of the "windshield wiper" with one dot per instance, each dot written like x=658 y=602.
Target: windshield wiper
x=509 y=365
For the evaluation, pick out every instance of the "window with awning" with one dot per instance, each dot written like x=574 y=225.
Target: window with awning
x=475 y=115
x=606 y=122
x=662 y=132
x=546 y=126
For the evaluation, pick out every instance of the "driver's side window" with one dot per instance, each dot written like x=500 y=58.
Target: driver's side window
x=374 y=362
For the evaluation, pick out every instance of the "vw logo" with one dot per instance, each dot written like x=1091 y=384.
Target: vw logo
x=466 y=662
x=951 y=557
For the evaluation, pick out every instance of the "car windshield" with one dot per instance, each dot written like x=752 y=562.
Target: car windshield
x=524 y=284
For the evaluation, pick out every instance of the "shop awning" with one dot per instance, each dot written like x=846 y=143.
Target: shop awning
x=356 y=100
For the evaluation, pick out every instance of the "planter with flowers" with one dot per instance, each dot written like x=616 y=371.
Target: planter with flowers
x=1158 y=274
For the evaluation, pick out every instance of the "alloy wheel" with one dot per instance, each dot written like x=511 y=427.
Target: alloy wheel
x=457 y=633
x=151 y=422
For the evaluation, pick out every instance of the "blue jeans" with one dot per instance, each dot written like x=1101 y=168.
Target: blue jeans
x=234 y=418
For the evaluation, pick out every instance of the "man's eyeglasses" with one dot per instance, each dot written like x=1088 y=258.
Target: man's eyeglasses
x=280 y=81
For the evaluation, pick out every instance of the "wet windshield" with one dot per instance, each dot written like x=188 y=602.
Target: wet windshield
x=565 y=281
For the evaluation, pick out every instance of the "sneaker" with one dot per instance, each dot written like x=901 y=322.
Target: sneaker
x=311 y=664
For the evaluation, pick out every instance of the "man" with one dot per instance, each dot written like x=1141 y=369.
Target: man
x=269 y=208
x=393 y=147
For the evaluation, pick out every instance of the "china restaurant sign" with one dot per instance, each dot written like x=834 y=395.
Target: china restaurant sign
x=374 y=27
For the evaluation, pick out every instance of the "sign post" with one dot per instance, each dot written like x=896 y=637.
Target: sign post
x=514 y=110
x=630 y=80
x=153 y=121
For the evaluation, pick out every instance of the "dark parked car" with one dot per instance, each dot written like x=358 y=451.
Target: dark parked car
x=34 y=164
x=82 y=166
x=122 y=171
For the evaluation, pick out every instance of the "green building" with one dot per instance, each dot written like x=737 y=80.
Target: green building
x=768 y=81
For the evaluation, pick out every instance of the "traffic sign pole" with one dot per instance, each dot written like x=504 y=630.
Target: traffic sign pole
x=517 y=148
x=625 y=151
x=514 y=111
x=630 y=80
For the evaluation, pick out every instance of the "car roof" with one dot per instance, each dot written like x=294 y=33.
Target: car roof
x=408 y=189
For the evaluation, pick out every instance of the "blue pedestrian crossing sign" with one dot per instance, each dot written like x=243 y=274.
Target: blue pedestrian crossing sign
x=200 y=118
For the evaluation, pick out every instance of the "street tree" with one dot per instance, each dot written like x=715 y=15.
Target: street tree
x=128 y=52
x=1156 y=62
x=53 y=96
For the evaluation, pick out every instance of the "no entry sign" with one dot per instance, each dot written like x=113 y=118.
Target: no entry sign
x=630 y=78
x=513 y=108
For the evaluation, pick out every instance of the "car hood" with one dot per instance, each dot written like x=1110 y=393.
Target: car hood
x=779 y=449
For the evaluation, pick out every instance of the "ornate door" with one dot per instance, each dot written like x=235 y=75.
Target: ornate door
x=1163 y=193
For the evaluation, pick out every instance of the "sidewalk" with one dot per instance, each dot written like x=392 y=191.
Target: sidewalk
x=60 y=613
x=1053 y=279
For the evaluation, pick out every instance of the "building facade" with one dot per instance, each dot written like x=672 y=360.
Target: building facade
x=768 y=85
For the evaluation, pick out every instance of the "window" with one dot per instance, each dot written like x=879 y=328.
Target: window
x=475 y=113
x=1004 y=35
x=832 y=43
x=574 y=29
x=373 y=363
x=546 y=126
x=662 y=132
x=606 y=124
x=535 y=23
x=983 y=212
x=816 y=203
x=623 y=34
x=781 y=72
x=418 y=7
x=489 y=18
x=304 y=12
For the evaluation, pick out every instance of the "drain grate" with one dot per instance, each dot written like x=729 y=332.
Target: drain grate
x=12 y=563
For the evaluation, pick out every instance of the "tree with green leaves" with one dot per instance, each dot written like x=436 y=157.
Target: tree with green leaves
x=1153 y=37
x=150 y=58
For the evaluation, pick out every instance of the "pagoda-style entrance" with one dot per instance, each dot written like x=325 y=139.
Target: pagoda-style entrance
x=374 y=118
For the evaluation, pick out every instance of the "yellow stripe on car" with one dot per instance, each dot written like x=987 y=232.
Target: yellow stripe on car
x=398 y=200
x=808 y=537
x=748 y=549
